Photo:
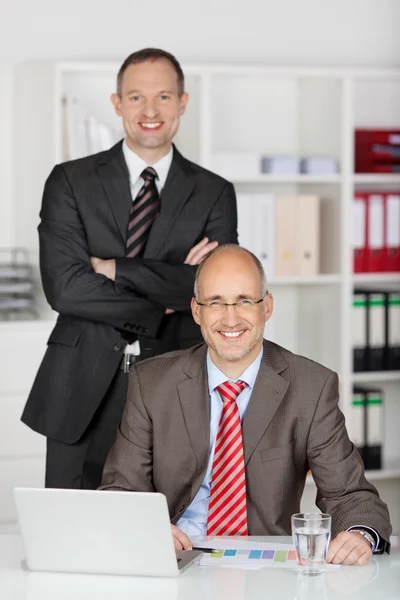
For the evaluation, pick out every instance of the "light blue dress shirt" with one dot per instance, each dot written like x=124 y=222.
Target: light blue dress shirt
x=194 y=519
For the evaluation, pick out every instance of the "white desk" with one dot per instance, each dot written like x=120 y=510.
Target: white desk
x=380 y=580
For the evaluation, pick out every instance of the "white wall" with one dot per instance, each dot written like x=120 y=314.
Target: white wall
x=326 y=32
x=356 y=32
x=7 y=229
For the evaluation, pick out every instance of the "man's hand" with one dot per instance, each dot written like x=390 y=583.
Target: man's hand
x=197 y=254
x=349 y=548
x=181 y=540
x=104 y=267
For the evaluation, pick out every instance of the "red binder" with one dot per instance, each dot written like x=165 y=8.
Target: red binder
x=392 y=232
x=384 y=169
x=375 y=233
x=377 y=136
x=376 y=151
x=385 y=153
x=360 y=231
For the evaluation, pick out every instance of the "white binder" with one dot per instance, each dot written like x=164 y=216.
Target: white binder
x=256 y=227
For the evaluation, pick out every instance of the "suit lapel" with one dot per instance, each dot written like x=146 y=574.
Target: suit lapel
x=268 y=392
x=176 y=192
x=114 y=176
x=194 y=400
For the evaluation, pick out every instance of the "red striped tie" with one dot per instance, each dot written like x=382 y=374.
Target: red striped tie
x=227 y=512
x=143 y=213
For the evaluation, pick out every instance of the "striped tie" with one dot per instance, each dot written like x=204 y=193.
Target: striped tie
x=227 y=512
x=143 y=213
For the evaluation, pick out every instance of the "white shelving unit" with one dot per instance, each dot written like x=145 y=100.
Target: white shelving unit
x=298 y=280
x=272 y=110
x=273 y=179
x=376 y=377
x=373 y=279
x=372 y=179
x=392 y=471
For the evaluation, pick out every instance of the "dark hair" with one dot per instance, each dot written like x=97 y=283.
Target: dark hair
x=152 y=54
x=217 y=250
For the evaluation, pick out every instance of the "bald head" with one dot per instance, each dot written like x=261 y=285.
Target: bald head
x=231 y=306
x=228 y=261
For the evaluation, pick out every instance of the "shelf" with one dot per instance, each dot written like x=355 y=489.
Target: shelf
x=377 y=178
x=367 y=278
x=387 y=473
x=378 y=376
x=288 y=179
x=27 y=326
x=391 y=471
x=299 y=280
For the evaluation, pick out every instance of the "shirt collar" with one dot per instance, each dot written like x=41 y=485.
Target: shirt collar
x=136 y=165
x=216 y=377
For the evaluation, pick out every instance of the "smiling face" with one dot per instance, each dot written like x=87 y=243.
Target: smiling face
x=234 y=336
x=150 y=105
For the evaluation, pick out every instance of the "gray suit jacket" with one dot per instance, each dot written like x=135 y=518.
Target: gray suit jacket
x=292 y=424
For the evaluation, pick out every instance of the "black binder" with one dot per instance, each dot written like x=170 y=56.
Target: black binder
x=369 y=445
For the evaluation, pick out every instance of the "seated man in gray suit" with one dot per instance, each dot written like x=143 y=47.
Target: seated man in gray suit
x=227 y=430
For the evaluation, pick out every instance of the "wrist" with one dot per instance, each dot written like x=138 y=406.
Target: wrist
x=368 y=536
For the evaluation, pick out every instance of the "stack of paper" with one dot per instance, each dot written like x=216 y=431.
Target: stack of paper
x=16 y=283
x=280 y=165
x=236 y=165
x=319 y=165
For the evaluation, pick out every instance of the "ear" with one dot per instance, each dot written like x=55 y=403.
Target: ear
x=116 y=100
x=195 y=311
x=268 y=307
x=183 y=100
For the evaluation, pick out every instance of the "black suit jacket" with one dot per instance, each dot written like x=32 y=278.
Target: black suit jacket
x=85 y=213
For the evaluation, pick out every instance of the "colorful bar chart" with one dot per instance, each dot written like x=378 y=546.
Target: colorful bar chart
x=278 y=556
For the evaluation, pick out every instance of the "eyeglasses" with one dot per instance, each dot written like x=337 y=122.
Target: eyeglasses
x=244 y=305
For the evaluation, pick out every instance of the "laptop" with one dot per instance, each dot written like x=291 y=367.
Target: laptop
x=103 y=532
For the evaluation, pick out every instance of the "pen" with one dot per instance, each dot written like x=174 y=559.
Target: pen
x=208 y=550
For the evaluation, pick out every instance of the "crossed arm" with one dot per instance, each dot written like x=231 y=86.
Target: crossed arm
x=195 y=256
x=171 y=285
x=74 y=282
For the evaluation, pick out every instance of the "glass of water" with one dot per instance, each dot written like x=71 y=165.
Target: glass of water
x=311 y=534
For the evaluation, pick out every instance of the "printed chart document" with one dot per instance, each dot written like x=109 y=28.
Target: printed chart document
x=242 y=554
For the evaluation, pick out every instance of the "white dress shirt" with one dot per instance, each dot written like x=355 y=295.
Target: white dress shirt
x=136 y=166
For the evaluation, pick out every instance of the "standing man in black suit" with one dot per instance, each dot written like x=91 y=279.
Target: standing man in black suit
x=121 y=235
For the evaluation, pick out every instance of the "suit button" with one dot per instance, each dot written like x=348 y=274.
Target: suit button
x=145 y=329
x=117 y=347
